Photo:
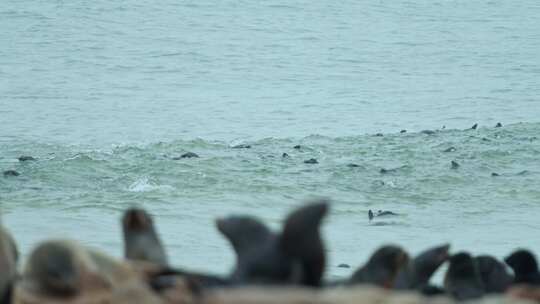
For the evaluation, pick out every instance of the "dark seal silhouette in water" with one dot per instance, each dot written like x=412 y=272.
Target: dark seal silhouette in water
x=382 y=267
x=311 y=161
x=8 y=264
x=141 y=241
x=525 y=267
x=186 y=155
x=9 y=173
x=25 y=158
x=462 y=280
x=380 y=213
x=418 y=272
x=493 y=273
x=294 y=256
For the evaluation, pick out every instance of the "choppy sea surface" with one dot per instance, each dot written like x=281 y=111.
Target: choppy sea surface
x=106 y=95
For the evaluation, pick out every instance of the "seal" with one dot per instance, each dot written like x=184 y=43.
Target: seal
x=245 y=234
x=380 y=213
x=8 y=264
x=525 y=267
x=418 y=272
x=493 y=273
x=63 y=269
x=462 y=280
x=295 y=256
x=141 y=241
x=382 y=267
x=301 y=240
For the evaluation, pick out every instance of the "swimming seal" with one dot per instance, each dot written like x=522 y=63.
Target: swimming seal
x=382 y=267
x=417 y=273
x=493 y=273
x=525 y=267
x=141 y=241
x=371 y=215
x=462 y=280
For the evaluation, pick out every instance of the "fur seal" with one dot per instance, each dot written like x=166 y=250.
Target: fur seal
x=245 y=234
x=417 y=273
x=186 y=155
x=311 y=161
x=26 y=158
x=474 y=127
x=454 y=165
x=63 y=269
x=462 y=280
x=241 y=146
x=9 y=173
x=525 y=267
x=379 y=213
x=381 y=268
x=8 y=264
x=493 y=273
x=294 y=256
x=141 y=241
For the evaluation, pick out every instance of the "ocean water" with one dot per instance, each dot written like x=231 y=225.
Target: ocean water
x=106 y=94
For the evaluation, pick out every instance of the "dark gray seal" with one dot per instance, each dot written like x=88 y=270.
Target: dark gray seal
x=186 y=155
x=382 y=267
x=525 y=267
x=294 y=256
x=462 y=280
x=25 y=158
x=311 y=161
x=380 y=213
x=418 y=272
x=141 y=241
x=9 y=173
x=493 y=273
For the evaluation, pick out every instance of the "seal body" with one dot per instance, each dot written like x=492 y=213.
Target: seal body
x=8 y=264
x=462 y=280
x=417 y=273
x=493 y=273
x=141 y=241
x=382 y=267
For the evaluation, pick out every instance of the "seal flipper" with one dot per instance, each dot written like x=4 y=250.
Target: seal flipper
x=301 y=240
x=244 y=233
x=141 y=241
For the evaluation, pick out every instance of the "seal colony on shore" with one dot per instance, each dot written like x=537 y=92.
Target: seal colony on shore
x=290 y=262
